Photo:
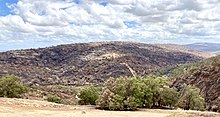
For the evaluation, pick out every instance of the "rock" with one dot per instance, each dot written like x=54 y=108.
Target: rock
x=83 y=112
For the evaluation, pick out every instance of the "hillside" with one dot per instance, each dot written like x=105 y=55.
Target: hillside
x=80 y=64
x=206 y=76
x=188 y=50
x=208 y=47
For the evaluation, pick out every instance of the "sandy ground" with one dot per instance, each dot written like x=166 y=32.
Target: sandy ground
x=33 y=108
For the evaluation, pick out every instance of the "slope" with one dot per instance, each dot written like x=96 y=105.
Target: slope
x=84 y=63
x=206 y=76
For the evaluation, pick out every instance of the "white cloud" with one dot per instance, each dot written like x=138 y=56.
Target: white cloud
x=118 y=2
x=155 y=21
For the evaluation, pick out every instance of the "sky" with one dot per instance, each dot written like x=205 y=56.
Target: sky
x=42 y=23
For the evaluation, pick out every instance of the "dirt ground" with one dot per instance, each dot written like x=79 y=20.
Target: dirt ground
x=33 y=108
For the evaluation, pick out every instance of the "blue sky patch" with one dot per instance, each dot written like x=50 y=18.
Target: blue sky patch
x=77 y=1
x=131 y=24
x=4 y=10
x=42 y=13
x=103 y=3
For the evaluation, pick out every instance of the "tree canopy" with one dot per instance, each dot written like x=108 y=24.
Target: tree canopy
x=10 y=87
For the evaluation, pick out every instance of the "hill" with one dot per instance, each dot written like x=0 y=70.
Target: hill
x=184 y=49
x=206 y=76
x=84 y=63
x=208 y=47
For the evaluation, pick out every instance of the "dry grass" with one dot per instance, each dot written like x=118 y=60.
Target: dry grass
x=33 y=108
x=178 y=115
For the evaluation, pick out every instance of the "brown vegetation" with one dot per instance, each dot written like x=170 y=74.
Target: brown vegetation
x=80 y=64
x=207 y=78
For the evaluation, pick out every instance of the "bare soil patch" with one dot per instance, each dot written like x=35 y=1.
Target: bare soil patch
x=34 y=108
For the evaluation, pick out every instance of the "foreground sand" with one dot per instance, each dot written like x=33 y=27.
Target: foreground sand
x=33 y=108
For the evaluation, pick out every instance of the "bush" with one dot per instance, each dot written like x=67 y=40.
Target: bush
x=88 y=95
x=191 y=99
x=124 y=93
x=52 y=98
x=11 y=88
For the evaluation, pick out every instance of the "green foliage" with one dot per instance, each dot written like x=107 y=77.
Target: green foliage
x=88 y=95
x=156 y=84
x=169 y=97
x=191 y=99
x=11 y=88
x=53 y=98
x=124 y=93
x=162 y=95
x=214 y=61
x=129 y=93
x=184 y=70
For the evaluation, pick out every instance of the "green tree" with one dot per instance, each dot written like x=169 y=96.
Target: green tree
x=124 y=93
x=88 y=95
x=191 y=99
x=11 y=88
x=169 y=97
x=156 y=84
x=129 y=93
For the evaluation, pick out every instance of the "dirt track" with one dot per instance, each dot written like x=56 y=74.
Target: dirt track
x=33 y=108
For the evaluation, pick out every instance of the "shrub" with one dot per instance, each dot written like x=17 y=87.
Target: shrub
x=53 y=98
x=88 y=95
x=191 y=99
x=11 y=88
